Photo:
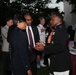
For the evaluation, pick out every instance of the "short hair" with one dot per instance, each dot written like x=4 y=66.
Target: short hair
x=18 y=18
x=27 y=14
x=58 y=15
x=41 y=18
x=9 y=18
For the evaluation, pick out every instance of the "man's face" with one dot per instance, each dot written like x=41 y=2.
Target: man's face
x=22 y=25
x=10 y=22
x=42 y=21
x=28 y=19
x=54 y=21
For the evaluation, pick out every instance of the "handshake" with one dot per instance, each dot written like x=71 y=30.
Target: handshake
x=40 y=46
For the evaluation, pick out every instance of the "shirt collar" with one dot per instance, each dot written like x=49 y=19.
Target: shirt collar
x=7 y=26
x=58 y=25
x=40 y=25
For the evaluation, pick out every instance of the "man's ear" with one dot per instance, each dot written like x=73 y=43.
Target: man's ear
x=59 y=20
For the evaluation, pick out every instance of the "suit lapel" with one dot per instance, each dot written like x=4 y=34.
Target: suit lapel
x=33 y=30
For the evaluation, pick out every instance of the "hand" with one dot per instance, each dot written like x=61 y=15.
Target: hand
x=50 y=38
x=51 y=33
x=38 y=58
x=39 y=46
x=29 y=72
x=40 y=42
x=42 y=30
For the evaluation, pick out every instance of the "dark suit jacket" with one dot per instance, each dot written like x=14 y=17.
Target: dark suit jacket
x=20 y=58
x=60 y=58
x=33 y=52
x=36 y=34
x=36 y=37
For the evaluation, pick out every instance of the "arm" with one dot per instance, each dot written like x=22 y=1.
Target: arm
x=4 y=33
x=59 y=44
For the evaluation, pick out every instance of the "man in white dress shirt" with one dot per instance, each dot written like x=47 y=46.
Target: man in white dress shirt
x=42 y=35
x=42 y=29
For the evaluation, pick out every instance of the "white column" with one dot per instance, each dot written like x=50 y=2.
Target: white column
x=68 y=15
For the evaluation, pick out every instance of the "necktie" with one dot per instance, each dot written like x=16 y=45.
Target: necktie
x=30 y=38
x=49 y=38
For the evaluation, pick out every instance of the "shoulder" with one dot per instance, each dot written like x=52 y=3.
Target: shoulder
x=61 y=31
x=15 y=33
x=3 y=28
x=61 y=28
x=18 y=33
x=34 y=27
x=38 y=26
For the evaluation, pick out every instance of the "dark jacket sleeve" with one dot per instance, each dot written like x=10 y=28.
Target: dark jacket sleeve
x=22 y=46
x=59 y=44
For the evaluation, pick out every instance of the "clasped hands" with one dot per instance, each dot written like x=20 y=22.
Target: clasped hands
x=40 y=46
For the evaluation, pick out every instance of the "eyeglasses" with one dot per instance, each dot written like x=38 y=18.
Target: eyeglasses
x=28 y=19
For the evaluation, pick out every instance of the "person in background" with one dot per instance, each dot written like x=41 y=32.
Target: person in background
x=57 y=48
x=5 y=47
x=33 y=38
x=42 y=35
x=20 y=57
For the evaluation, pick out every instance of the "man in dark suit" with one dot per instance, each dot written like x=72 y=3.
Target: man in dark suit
x=33 y=38
x=20 y=57
x=57 y=48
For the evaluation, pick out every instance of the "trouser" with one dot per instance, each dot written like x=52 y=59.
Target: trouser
x=62 y=73
x=34 y=68
x=74 y=43
x=46 y=59
x=6 y=63
x=18 y=69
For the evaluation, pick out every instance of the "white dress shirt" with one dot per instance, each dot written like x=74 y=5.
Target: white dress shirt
x=41 y=34
x=32 y=35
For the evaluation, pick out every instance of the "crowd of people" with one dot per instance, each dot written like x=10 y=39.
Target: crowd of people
x=25 y=45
